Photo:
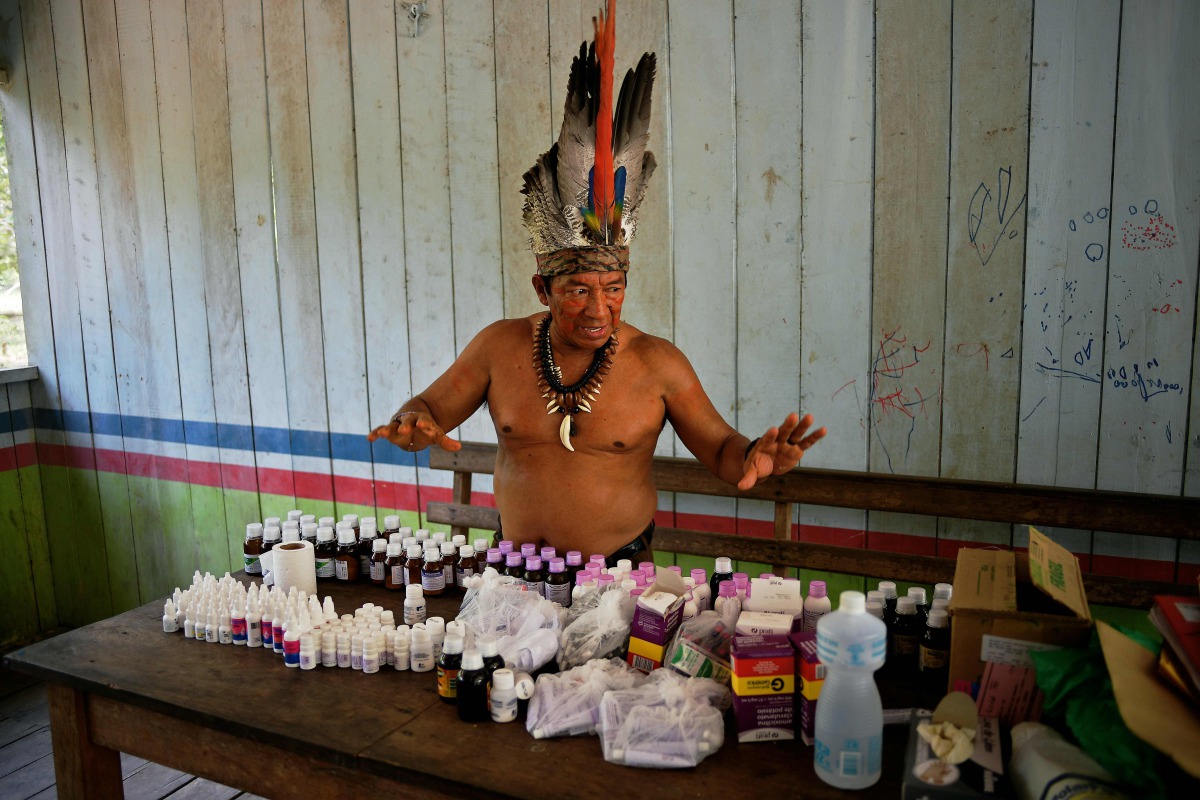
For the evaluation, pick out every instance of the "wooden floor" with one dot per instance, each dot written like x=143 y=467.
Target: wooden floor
x=27 y=763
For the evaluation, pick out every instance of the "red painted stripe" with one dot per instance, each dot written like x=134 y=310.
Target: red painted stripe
x=26 y=454
x=276 y=481
x=755 y=528
x=8 y=458
x=360 y=491
x=1188 y=573
x=664 y=519
x=312 y=486
x=901 y=543
x=823 y=534
x=706 y=522
x=238 y=476
x=1141 y=568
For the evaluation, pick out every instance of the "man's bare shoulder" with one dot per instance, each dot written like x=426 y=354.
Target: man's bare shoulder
x=505 y=332
x=653 y=349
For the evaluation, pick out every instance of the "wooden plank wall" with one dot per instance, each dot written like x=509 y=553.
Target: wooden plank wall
x=964 y=237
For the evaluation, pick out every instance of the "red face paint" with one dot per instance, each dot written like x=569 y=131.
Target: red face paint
x=586 y=308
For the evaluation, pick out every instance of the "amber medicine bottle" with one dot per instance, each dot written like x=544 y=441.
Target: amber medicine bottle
x=326 y=551
x=252 y=548
x=345 y=559
x=447 y=669
x=393 y=577
x=433 y=579
x=378 y=561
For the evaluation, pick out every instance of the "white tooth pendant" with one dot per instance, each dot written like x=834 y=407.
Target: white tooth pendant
x=564 y=432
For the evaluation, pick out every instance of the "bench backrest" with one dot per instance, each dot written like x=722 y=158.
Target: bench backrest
x=1121 y=512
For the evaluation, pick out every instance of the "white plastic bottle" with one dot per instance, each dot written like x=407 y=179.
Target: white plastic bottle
x=851 y=644
x=816 y=605
x=414 y=604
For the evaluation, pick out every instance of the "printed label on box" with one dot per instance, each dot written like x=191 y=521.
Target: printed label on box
x=1012 y=652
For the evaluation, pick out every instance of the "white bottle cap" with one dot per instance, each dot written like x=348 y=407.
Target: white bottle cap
x=724 y=565
x=471 y=659
x=413 y=591
x=391 y=522
x=393 y=550
x=939 y=619
x=326 y=522
x=414 y=551
x=852 y=602
x=888 y=588
x=269 y=521
x=379 y=545
x=466 y=551
x=447 y=549
x=942 y=590
x=456 y=628
x=344 y=536
x=905 y=605
x=324 y=534
x=436 y=625
x=254 y=530
x=502 y=679
x=291 y=535
x=454 y=644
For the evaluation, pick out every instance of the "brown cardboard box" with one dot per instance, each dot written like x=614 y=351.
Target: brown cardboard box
x=1006 y=604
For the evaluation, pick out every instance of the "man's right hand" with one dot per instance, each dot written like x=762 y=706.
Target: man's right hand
x=413 y=431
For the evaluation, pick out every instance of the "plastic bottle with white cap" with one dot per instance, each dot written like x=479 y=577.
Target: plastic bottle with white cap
x=722 y=571
x=421 y=651
x=848 y=727
x=370 y=655
x=169 y=623
x=502 y=700
x=414 y=604
x=308 y=652
x=473 y=684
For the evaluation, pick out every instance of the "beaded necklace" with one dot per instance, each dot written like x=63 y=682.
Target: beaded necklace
x=569 y=400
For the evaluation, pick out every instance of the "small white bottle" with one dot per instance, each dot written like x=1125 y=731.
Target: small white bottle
x=702 y=593
x=212 y=626
x=169 y=623
x=421 y=651
x=414 y=604
x=344 y=660
x=437 y=635
x=189 y=625
x=225 y=628
x=356 y=651
x=253 y=625
x=370 y=656
x=690 y=607
x=502 y=699
x=401 y=660
x=328 y=649
x=727 y=604
x=816 y=605
x=308 y=652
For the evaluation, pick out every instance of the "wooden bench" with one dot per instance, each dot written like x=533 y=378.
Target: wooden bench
x=1120 y=512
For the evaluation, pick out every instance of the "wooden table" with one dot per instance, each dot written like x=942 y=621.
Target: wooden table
x=239 y=716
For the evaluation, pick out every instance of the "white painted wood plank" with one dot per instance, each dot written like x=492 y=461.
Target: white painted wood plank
x=427 y=237
x=31 y=253
x=222 y=290
x=254 y=213
x=299 y=280
x=767 y=50
x=908 y=287
x=1191 y=479
x=1072 y=107
x=526 y=125
x=209 y=545
x=326 y=33
x=381 y=229
x=989 y=152
x=475 y=189
x=143 y=328
x=838 y=108
x=1153 y=251
x=704 y=198
x=87 y=281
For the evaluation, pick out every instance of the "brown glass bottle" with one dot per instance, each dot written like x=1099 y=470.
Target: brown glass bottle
x=345 y=560
x=326 y=550
x=378 y=561
x=252 y=549
x=464 y=566
x=412 y=566
x=449 y=557
x=393 y=577
x=433 y=578
x=365 y=553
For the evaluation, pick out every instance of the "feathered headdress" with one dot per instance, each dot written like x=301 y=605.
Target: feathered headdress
x=582 y=196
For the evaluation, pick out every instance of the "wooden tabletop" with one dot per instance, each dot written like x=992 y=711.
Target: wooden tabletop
x=390 y=724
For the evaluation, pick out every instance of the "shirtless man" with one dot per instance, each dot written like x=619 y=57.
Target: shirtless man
x=599 y=498
x=573 y=464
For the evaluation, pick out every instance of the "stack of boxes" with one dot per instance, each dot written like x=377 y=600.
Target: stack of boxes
x=810 y=675
x=656 y=618
x=764 y=682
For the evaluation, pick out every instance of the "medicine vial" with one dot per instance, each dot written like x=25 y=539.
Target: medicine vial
x=344 y=659
x=345 y=559
x=393 y=577
x=473 y=688
x=816 y=605
x=722 y=571
x=421 y=651
x=324 y=554
x=291 y=646
x=557 y=588
x=378 y=561
x=433 y=579
x=448 y=666
x=502 y=699
x=308 y=652
x=449 y=557
x=414 y=604
x=329 y=649
x=534 y=577
x=252 y=549
x=464 y=566
x=905 y=638
x=702 y=593
x=169 y=623
x=370 y=654
x=254 y=637
x=237 y=623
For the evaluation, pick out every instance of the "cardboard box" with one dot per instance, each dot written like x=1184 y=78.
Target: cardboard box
x=808 y=664
x=656 y=618
x=764 y=717
x=688 y=658
x=926 y=777
x=1006 y=604
x=763 y=623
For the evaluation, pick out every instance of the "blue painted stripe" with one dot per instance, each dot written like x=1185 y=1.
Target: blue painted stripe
x=313 y=444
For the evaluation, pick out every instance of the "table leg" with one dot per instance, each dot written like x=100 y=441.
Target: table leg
x=82 y=769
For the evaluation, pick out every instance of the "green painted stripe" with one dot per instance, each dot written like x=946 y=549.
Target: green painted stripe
x=17 y=596
x=119 y=545
x=34 y=510
x=75 y=528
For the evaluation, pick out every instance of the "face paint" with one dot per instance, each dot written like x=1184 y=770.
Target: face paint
x=586 y=308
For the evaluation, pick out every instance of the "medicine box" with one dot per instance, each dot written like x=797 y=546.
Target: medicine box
x=764 y=682
x=656 y=618
x=1006 y=604
x=764 y=623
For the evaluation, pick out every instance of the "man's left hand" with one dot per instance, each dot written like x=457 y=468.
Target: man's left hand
x=779 y=450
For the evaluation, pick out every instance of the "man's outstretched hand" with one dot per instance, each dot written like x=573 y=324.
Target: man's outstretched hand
x=779 y=449
x=413 y=431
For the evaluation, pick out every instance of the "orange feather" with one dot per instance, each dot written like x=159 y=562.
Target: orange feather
x=602 y=175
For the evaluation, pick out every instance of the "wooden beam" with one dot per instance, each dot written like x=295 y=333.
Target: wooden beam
x=82 y=768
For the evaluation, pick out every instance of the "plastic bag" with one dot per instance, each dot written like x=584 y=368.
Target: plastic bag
x=668 y=721
x=602 y=630
x=1076 y=686
x=701 y=648
x=568 y=704
x=526 y=624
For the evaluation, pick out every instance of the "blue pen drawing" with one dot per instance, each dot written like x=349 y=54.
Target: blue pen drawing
x=988 y=216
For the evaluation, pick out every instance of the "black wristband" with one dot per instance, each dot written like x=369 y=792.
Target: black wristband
x=750 y=447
